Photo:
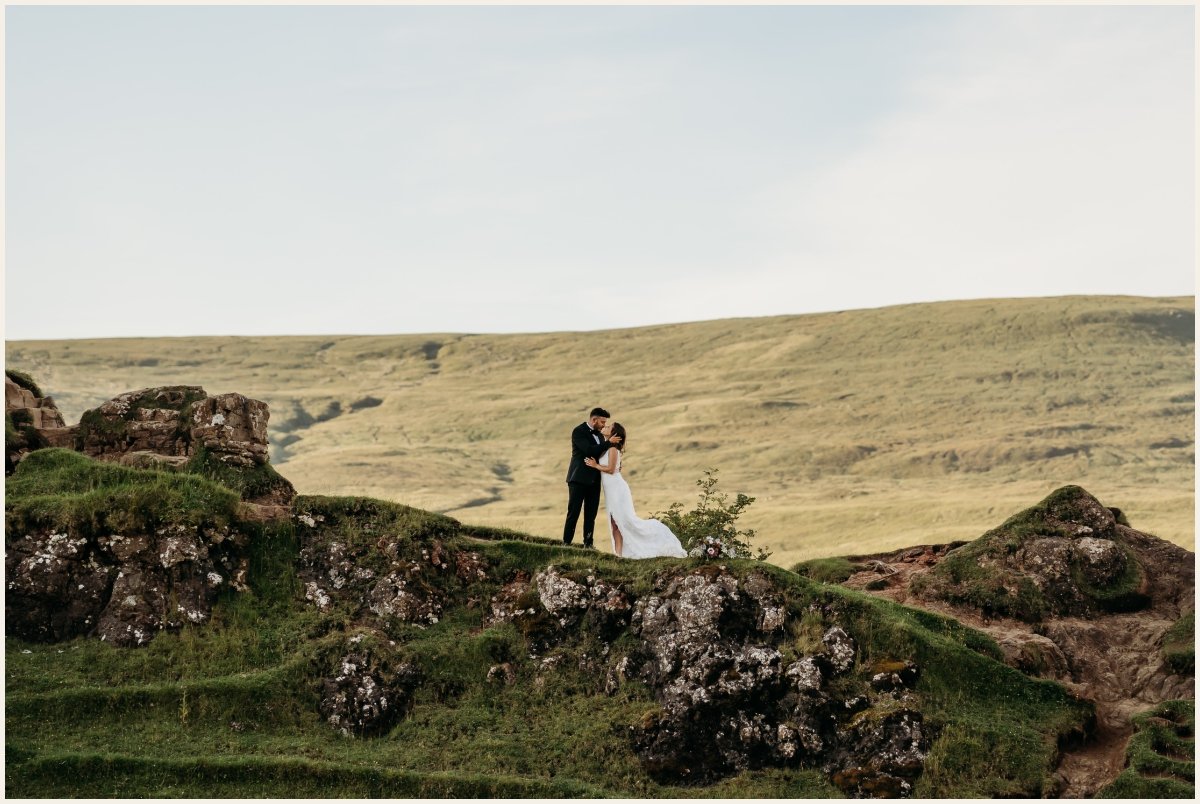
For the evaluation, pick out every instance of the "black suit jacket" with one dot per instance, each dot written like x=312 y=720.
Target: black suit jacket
x=583 y=445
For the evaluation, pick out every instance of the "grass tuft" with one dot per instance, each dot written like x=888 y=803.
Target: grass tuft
x=1179 y=645
x=826 y=570
x=62 y=489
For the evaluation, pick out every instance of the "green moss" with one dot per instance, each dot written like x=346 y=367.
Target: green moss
x=250 y=482
x=826 y=570
x=287 y=777
x=361 y=521
x=1179 y=645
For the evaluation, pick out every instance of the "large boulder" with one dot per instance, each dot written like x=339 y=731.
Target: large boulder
x=363 y=566
x=176 y=421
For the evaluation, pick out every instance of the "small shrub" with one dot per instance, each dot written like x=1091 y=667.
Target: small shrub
x=710 y=529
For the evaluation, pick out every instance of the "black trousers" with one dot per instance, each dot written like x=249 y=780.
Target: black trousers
x=584 y=496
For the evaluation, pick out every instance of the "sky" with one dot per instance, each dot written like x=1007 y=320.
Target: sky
x=239 y=170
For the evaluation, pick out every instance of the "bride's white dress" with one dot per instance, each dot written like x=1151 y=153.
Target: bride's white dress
x=640 y=538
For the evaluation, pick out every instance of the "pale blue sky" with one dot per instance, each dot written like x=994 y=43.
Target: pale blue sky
x=287 y=170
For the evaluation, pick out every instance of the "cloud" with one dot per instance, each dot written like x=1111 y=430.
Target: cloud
x=1043 y=153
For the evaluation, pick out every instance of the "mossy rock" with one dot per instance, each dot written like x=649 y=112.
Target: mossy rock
x=25 y=381
x=994 y=575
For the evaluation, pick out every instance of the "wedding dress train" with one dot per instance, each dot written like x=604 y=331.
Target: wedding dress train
x=640 y=538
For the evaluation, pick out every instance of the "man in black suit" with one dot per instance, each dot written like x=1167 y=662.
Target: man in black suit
x=583 y=482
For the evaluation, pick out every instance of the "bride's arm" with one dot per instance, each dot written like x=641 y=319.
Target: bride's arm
x=612 y=462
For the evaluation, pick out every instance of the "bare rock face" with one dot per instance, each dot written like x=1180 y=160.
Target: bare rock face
x=891 y=749
x=124 y=588
x=364 y=698
x=37 y=422
x=232 y=427
x=514 y=599
x=709 y=646
x=43 y=414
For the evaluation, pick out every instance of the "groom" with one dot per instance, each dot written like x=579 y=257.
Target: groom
x=583 y=483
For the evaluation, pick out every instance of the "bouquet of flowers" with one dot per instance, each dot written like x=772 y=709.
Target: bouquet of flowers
x=711 y=547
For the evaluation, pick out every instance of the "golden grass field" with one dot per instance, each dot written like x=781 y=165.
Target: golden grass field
x=857 y=431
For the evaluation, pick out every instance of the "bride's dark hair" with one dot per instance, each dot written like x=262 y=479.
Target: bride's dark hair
x=618 y=430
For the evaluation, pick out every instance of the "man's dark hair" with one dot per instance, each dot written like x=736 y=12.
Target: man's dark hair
x=598 y=412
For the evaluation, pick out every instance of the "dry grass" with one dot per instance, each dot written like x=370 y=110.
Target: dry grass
x=858 y=432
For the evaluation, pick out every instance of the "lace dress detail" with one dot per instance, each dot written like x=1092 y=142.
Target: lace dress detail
x=640 y=538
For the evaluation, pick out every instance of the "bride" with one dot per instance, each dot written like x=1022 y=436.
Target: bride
x=631 y=537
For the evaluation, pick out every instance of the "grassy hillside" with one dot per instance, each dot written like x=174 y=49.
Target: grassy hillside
x=230 y=708
x=858 y=432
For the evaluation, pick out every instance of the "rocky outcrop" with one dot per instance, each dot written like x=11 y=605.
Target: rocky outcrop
x=123 y=588
x=175 y=422
x=36 y=422
x=41 y=412
x=712 y=648
x=167 y=427
x=387 y=577
x=365 y=697
x=730 y=703
x=1067 y=556
x=122 y=581
x=1070 y=592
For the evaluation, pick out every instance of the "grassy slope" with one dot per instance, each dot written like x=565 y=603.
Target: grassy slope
x=858 y=432
x=230 y=708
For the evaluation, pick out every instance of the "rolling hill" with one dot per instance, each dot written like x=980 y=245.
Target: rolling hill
x=857 y=431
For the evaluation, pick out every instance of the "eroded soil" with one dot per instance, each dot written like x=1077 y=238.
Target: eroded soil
x=1113 y=660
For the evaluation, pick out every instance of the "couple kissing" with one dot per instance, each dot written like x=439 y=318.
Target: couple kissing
x=597 y=446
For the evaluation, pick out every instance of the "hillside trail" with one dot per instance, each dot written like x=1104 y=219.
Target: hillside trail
x=1113 y=661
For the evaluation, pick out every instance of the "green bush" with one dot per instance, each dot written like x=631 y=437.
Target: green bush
x=714 y=519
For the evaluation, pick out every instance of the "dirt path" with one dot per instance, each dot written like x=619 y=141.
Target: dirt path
x=1114 y=661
